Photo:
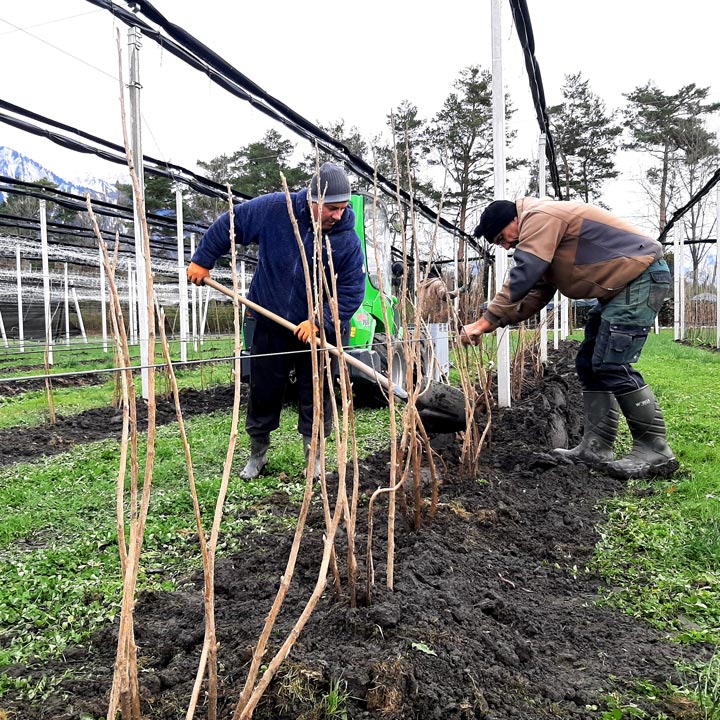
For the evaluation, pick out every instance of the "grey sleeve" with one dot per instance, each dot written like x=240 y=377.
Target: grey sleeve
x=525 y=274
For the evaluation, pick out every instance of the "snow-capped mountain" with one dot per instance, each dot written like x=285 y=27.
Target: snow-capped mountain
x=15 y=165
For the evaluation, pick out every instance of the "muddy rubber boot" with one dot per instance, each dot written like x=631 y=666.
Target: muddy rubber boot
x=307 y=440
x=258 y=457
x=650 y=456
x=601 y=423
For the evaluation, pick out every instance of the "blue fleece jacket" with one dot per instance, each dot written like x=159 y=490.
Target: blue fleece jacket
x=279 y=280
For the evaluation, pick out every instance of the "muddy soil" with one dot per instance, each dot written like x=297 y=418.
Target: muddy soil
x=493 y=613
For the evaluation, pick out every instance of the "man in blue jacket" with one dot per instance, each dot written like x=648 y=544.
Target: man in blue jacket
x=279 y=285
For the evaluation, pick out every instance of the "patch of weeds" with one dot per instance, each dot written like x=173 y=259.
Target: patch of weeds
x=334 y=704
x=646 y=701
x=35 y=691
x=700 y=685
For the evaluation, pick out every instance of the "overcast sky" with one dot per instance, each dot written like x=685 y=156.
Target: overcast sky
x=328 y=62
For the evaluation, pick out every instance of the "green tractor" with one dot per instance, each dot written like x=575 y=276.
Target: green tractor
x=369 y=330
x=377 y=320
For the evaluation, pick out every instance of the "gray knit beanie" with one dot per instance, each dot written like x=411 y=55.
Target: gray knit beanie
x=334 y=184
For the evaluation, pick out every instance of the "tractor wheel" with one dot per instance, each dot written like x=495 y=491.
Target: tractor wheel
x=399 y=366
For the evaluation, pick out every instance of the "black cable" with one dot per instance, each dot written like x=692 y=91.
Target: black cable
x=521 y=16
x=202 y=58
x=72 y=201
x=709 y=185
x=177 y=173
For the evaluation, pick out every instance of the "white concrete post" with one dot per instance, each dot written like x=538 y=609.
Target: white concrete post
x=79 y=314
x=2 y=332
x=67 y=304
x=134 y=86
x=501 y=263
x=21 y=327
x=182 y=276
x=194 y=299
x=103 y=305
x=46 y=281
x=542 y=181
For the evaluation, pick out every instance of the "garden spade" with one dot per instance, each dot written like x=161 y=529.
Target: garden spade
x=441 y=406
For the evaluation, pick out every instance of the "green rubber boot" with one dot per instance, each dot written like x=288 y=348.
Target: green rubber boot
x=258 y=457
x=601 y=423
x=650 y=456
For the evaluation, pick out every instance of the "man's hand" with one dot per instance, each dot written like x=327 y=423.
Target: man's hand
x=305 y=329
x=196 y=274
x=471 y=334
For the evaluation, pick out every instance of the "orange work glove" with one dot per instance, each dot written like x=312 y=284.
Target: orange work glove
x=197 y=273
x=305 y=329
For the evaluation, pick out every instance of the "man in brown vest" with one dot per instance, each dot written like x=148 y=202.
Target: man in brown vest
x=586 y=252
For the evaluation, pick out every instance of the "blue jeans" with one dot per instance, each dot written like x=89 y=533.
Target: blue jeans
x=616 y=331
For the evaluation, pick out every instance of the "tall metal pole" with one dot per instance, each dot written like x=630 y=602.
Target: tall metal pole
x=182 y=277
x=682 y=279
x=131 y=303
x=194 y=299
x=134 y=87
x=564 y=316
x=46 y=281
x=717 y=271
x=103 y=305
x=542 y=180
x=67 y=304
x=676 y=283
x=21 y=328
x=501 y=263
x=78 y=313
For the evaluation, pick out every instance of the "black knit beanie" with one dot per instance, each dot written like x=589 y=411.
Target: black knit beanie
x=334 y=184
x=495 y=218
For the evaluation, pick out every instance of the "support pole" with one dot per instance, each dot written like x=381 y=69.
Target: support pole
x=677 y=270
x=204 y=314
x=21 y=327
x=134 y=87
x=103 y=305
x=194 y=299
x=2 y=332
x=682 y=281
x=456 y=269
x=564 y=316
x=542 y=181
x=67 y=304
x=182 y=276
x=501 y=262
x=79 y=314
x=131 y=303
x=46 y=281
x=717 y=272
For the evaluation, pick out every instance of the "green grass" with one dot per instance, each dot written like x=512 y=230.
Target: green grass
x=58 y=547
x=660 y=548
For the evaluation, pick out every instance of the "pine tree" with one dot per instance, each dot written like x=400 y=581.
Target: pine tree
x=586 y=139
x=656 y=121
